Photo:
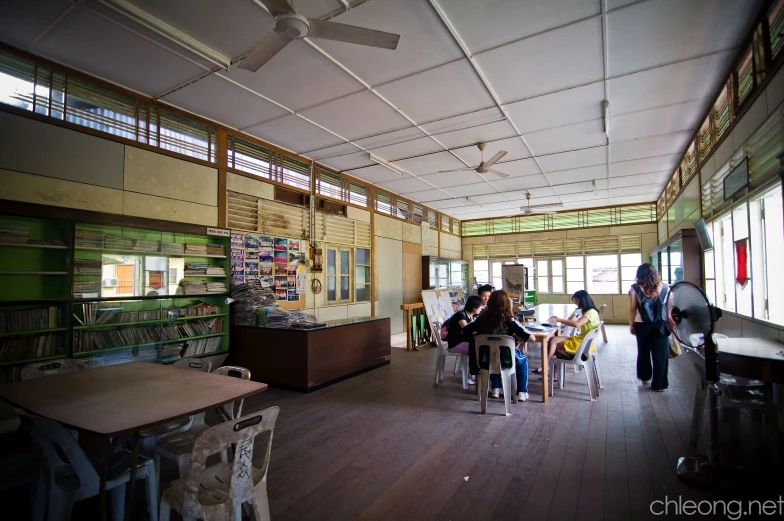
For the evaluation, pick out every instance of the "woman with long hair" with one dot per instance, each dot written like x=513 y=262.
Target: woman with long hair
x=497 y=319
x=565 y=347
x=647 y=316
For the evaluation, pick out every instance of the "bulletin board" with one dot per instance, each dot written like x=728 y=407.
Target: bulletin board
x=441 y=304
x=277 y=261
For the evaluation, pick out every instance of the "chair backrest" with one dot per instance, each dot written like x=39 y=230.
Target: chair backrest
x=569 y=330
x=61 y=453
x=241 y=433
x=601 y=311
x=585 y=345
x=227 y=411
x=41 y=369
x=494 y=352
x=443 y=347
x=190 y=363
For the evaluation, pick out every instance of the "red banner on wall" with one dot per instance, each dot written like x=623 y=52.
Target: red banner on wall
x=742 y=262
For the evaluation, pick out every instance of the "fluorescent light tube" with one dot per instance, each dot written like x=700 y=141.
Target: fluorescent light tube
x=383 y=162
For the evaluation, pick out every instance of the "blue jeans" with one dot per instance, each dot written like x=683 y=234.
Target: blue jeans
x=521 y=371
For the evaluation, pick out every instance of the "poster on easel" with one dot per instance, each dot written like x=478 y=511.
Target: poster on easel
x=440 y=304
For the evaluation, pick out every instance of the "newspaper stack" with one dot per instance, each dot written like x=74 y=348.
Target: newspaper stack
x=248 y=298
x=172 y=248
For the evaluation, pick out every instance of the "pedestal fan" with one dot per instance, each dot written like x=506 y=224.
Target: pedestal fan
x=691 y=314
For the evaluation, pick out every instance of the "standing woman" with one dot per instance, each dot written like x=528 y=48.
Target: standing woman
x=647 y=315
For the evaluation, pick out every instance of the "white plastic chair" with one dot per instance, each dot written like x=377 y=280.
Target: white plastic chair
x=443 y=353
x=177 y=447
x=601 y=318
x=71 y=476
x=569 y=330
x=490 y=363
x=148 y=438
x=218 y=492
x=578 y=364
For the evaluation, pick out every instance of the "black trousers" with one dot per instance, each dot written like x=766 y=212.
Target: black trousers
x=654 y=347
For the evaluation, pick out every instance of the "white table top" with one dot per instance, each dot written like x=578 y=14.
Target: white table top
x=545 y=311
x=752 y=348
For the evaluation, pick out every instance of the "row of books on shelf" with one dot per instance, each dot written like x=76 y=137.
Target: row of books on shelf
x=10 y=234
x=30 y=319
x=96 y=239
x=203 y=268
x=200 y=287
x=92 y=314
x=87 y=267
x=13 y=348
x=90 y=340
x=202 y=346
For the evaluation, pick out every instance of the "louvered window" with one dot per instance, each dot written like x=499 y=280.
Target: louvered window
x=502 y=250
x=329 y=184
x=563 y=221
x=672 y=188
x=600 y=217
x=607 y=244
x=249 y=157
x=283 y=220
x=661 y=205
x=28 y=85
x=432 y=219
x=525 y=249
x=357 y=194
x=776 y=26
x=721 y=115
x=573 y=246
x=745 y=75
x=243 y=211
x=472 y=228
x=403 y=209
x=689 y=164
x=550 y=247
x=294 y=173
x=705 y=136
x=418 y=214
x=763 y=149
x=630 y=243
x=480 y=251
x=713 y=189
x=503 y=225
x=383 y=202
x=446 y=225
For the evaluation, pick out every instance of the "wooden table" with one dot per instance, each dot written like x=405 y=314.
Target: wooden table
x=125 y=398
x=756 y=358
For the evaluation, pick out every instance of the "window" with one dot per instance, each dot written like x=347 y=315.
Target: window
x=602 y=273
x=497 y=282
x=542 y=276
x=740 y=232
x=338 y=274
x=362 y=282
x=725 y=266
x=629 y=264
x=383 y=203
x=575 y=274
x=557 y=277
x=481 y=271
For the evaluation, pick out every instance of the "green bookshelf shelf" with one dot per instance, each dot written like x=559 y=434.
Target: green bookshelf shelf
x=112 y=325
x=150 y=253
x=38 y=246
x=33 y=332
x=31 y=360
x=79 y=354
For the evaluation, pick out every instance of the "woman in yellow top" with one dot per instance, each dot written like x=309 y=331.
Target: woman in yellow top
x=565 y=347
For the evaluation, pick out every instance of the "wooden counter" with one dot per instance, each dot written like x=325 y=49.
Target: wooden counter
x=308 y=360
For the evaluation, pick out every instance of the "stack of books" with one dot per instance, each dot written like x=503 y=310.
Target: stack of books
x=88 y=238
x=148 y=245
x=117 y=242
x=216 y=287
x=86 y=289
x=216 y=270
x=202 y=346
x=196 y=268
x=200 y=327
x=172 y=248
x=169 y=353
x=14 y=234
x=216 y=249
x=194 y=287
x=87 y=267
x=202 y=308
x=195 y=249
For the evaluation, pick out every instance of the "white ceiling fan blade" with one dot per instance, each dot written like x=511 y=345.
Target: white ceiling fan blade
x=352 y=34
x=496 y=172
x=495 y=158
x=457 y=170
x=271 y=45
x=278 y=7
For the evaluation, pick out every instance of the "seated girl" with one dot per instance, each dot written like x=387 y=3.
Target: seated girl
x=565 y=347
x=454 y=336
x=497 y=319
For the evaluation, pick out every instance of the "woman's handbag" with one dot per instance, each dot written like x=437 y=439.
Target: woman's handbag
x=675 y=348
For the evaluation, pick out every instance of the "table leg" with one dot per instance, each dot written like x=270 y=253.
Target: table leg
x=110 y=445
x=132 y=483
x=545 y=370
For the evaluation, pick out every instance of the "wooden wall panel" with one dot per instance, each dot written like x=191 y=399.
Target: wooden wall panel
x=152 y=207
x=28 y=188
x=248 y=186
x=412 y=272
x=155 y=174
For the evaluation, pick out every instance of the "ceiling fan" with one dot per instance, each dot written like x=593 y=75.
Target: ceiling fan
x=290 y=25
x=535 y=209
x=484 y=167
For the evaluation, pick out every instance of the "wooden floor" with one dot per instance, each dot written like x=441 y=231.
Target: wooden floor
x=388 y=445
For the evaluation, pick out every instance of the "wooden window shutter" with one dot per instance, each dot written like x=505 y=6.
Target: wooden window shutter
x=480 y=251
x=606 y=244
x=283 y=220
x=630 y=243
x=501 y=250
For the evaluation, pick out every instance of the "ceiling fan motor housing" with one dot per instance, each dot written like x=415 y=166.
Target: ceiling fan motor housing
x=292 y=25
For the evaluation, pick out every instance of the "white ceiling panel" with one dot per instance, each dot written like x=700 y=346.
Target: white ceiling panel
x=413 y=147
x=656 y=178
x=230 y=27
x=406 y=185
x=473 y=135
x=517 y=168
x=357 y=116
x=558 y=109
x=547 y=62
x=454 y=202
x=600 y=197
x=491 y=198
x=644 y=166
x=448 y=179
x=390 y=138
x=439 y=93
x=469 y=190
x=616 y=4
x=424 y=43
x=317 y=8
x=427 y=196
x=330 y=152
x=522 y=183
x=514 y=147
x=377 y=174
x=293 y=133
x=483 y=24
x=430 y=164
x=588 y=173
x=649 y=146
x=582 y=187
x=22 y=21
x=538 y=193
x=91 y=43
x=348 y=162
x=574 y=159
x=677 y=83
x=295 y=86
x=636 y=190
x=218 y=99
x=653 y=122
x=656 y=32
x=464 y=121
x=571 y=137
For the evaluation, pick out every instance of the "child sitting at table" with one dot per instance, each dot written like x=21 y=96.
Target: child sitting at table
x=455 y=325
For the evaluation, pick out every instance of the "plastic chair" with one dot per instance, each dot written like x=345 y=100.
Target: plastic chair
x=177 y=446
x=579 y=364
x=601 y=318
x=71 y=476
x=148 y=438
x=443 y=353
x=218 y=492
x=569 y=330
x=21 y=469
x=232 y=410
x=491 y=351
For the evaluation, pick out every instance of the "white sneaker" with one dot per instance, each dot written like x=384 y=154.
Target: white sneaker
x=521 y=397
x=496 y=393
x=471 y=380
